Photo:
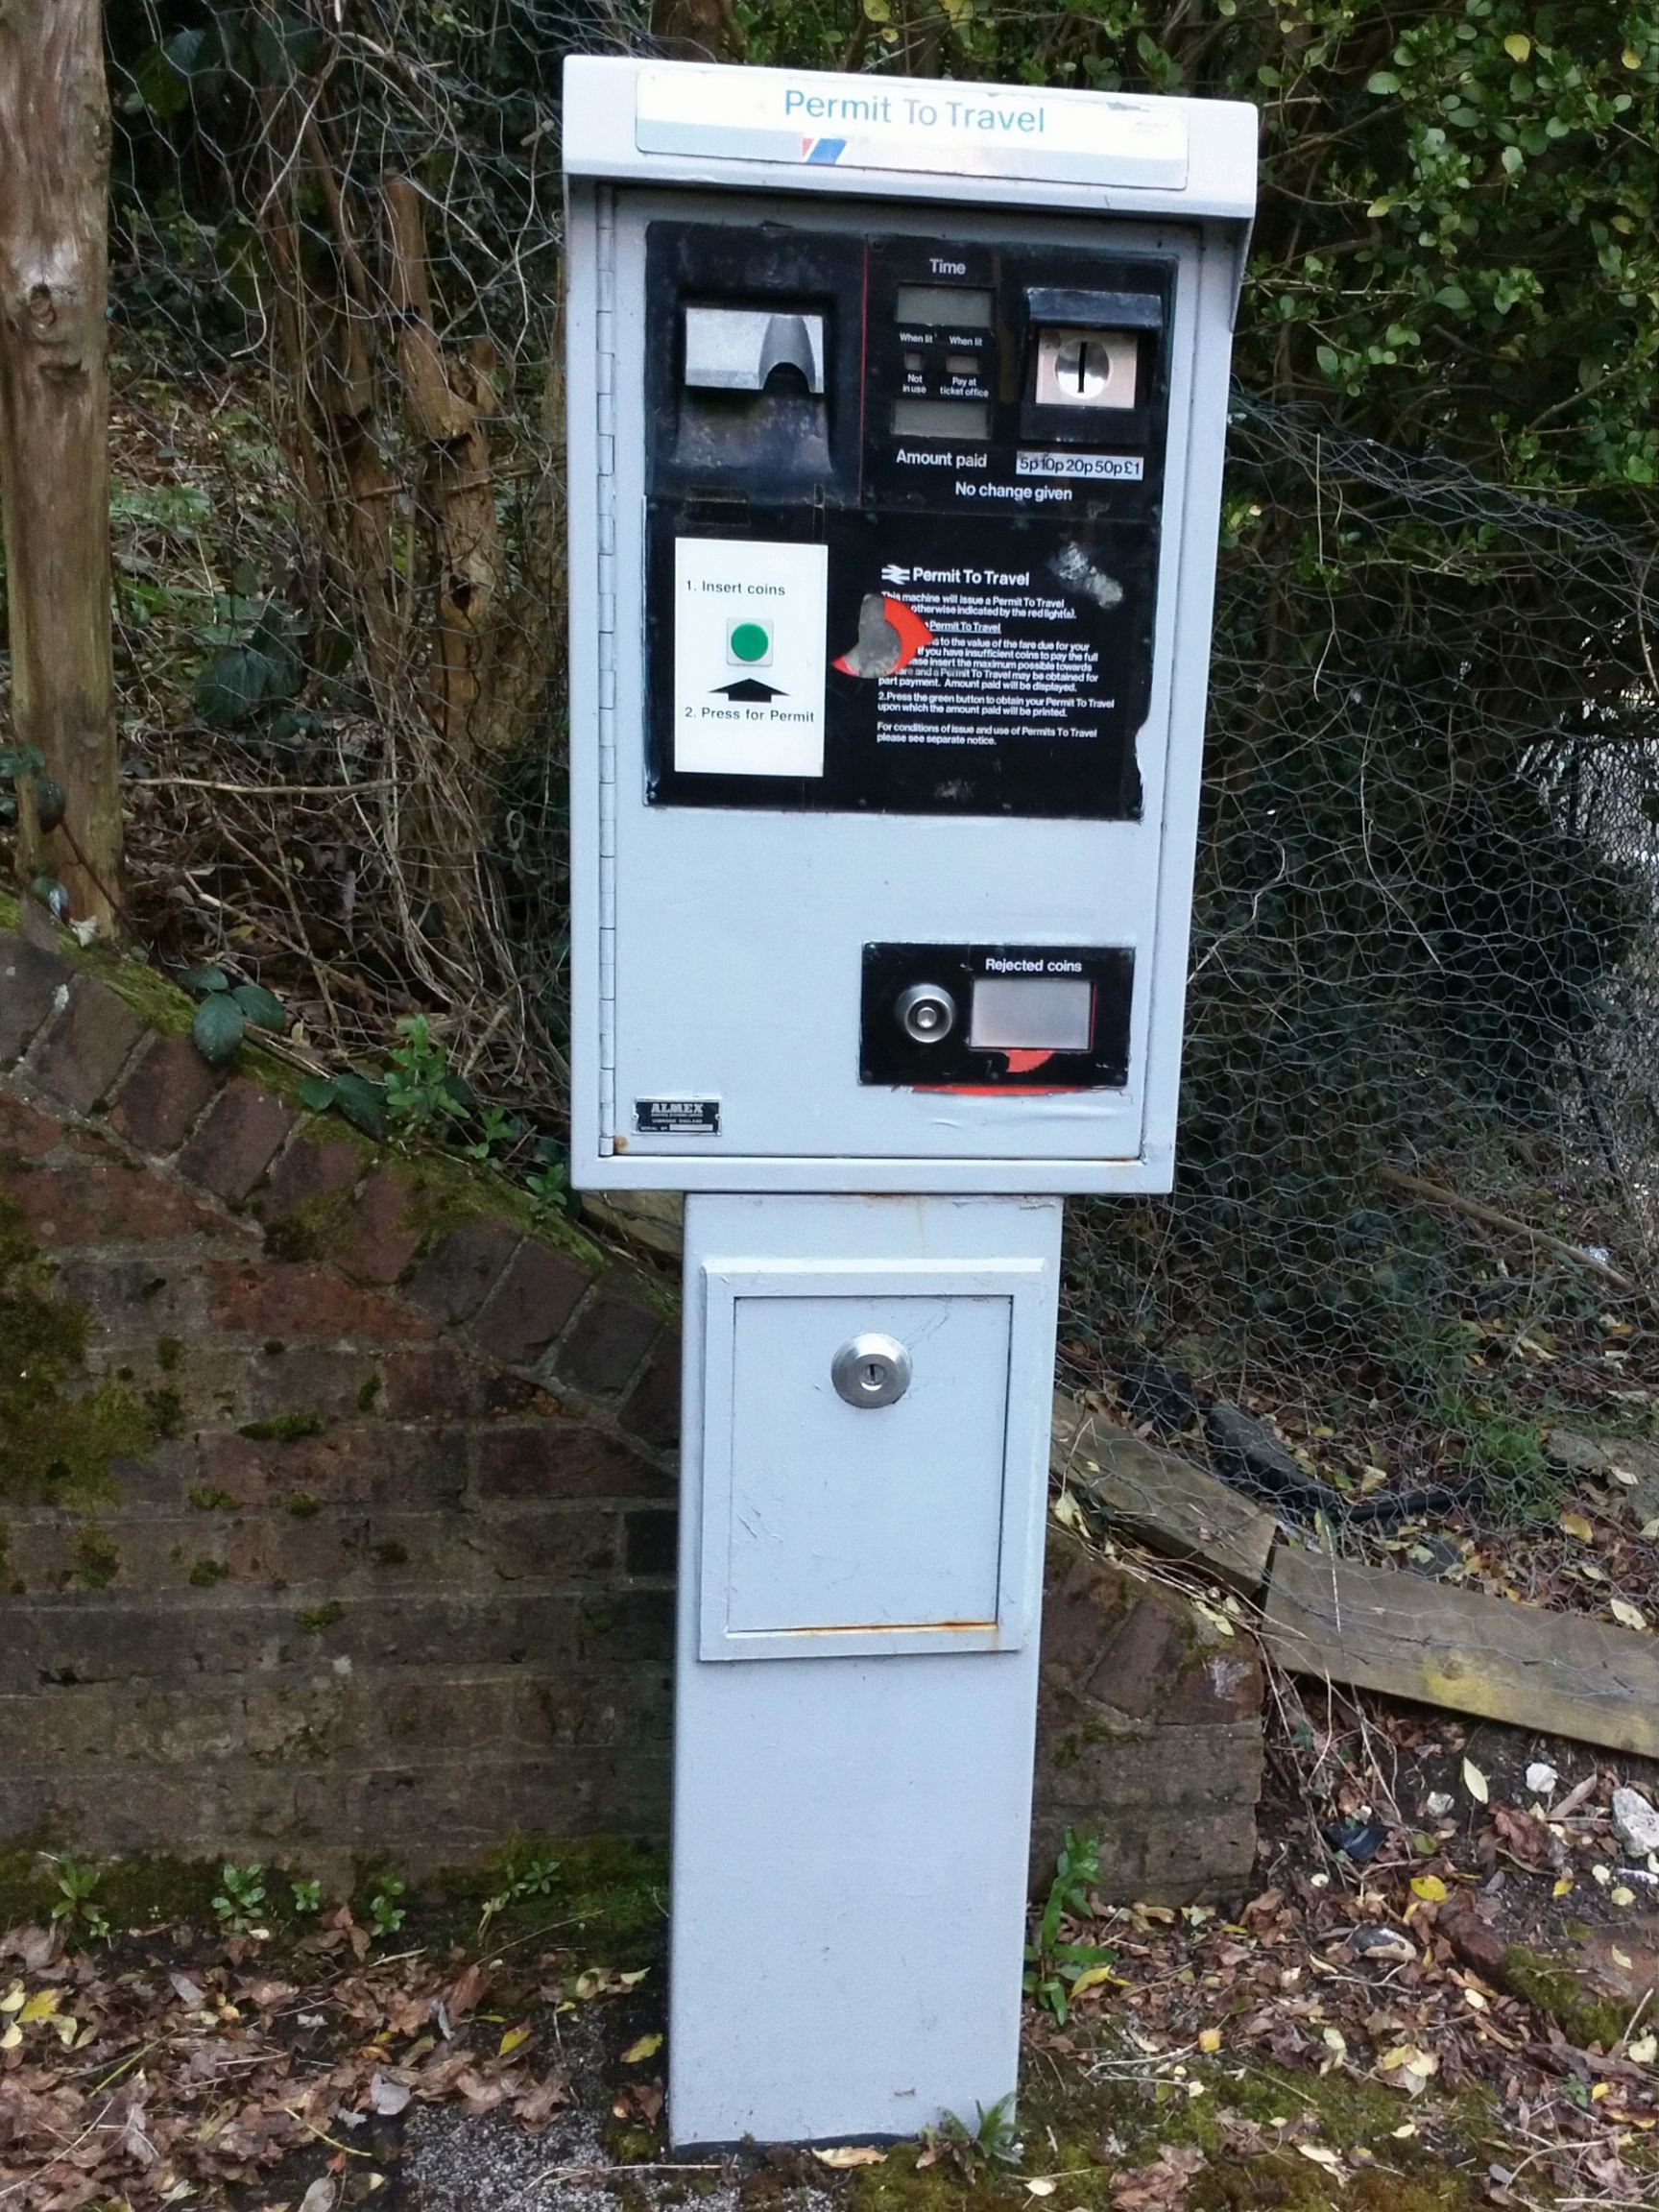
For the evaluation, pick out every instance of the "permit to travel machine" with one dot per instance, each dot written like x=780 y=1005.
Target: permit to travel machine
x=897 y=412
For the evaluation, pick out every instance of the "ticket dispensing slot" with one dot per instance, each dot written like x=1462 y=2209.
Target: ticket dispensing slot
x=753 y=350
x=755 y=389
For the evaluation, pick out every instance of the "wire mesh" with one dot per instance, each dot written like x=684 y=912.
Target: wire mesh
x=1416 y=1199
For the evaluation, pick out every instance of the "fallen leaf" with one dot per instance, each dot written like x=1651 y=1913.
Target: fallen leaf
x=1091 y=1977
x=1644 y=2051
x=320 y=2197
x=1321 y=2155
x=536 y=2108
x=843 y=2156
x=1210 y=2039
x=41 y=2006
x=1160 y=2186
x=512 y=2038
x=1575 y=1524
x=388 y=2097
x=1628 y=1616
x=466 y=1992
x=1042 y=2186
x=1476 y=1783
x=646 y=2047
x=1430 y=1888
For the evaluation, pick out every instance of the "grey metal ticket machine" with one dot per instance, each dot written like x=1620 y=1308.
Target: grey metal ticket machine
x=896 y=423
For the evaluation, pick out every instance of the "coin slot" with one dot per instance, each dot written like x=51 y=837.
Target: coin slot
x=1087 y=368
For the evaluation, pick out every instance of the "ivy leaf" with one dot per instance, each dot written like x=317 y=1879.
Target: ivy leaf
x=317 y=1094
x=205 y=980
x=362 y=1102
x=1383 y=82
x=217 y=1029
x=163 y=76
x=1518 y=46
x=261 y=1006
x=51 y=803
x=238 y=682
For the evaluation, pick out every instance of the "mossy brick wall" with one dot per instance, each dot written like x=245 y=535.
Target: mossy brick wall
x=379 y=1555
x=1148 y=1733
x=387 y=1564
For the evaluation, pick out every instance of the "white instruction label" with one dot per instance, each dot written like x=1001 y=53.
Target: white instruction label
x=749 y=657
x=1100 y=468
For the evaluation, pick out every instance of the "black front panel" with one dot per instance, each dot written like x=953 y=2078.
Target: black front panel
x=974 y=438
x=995 y=1017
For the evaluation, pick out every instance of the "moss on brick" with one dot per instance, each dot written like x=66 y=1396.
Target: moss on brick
x=169 y=1354
x=283 y=1427
x=205 y=1573
x=94 y=1559
x=320 y=1227
x=313 y=1619
x=206 y=1500
x=612 y=1891
x=303 y=1505
x=56 y=1442
x=442 y=1194
x=166 y=1408
x=1563 y=1996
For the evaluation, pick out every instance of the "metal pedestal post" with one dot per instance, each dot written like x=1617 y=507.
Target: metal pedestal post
x=867 y=1406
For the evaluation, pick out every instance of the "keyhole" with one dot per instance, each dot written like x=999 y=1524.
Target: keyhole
x=871 y=1370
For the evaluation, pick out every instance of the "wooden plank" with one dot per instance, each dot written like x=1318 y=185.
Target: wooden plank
x=1164 y=1501
x=1378 y=1628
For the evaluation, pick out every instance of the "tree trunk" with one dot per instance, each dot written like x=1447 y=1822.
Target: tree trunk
x=54 y=435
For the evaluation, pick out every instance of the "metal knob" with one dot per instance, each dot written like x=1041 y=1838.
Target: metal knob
x=926 y=1013
x=871 y=1370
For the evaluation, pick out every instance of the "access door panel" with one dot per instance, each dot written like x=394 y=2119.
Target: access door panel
x=866 y=1516
x=858 y=1458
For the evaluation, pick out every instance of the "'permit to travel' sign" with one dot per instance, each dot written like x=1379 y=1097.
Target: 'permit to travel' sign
x=886 y=123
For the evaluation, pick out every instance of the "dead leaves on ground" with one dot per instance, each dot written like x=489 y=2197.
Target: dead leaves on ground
x=157 y=2085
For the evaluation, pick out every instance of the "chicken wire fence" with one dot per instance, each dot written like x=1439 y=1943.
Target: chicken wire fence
x=1416 y=1196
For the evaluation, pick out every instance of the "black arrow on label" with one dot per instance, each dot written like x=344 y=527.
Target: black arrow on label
x=750 y=688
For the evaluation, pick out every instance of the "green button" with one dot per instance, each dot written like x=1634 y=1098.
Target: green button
x=751 y=642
